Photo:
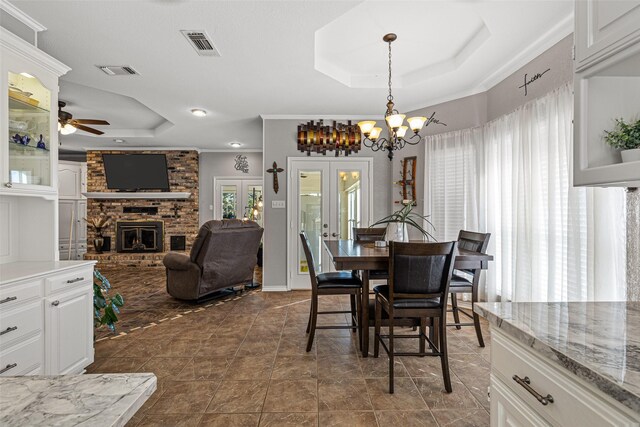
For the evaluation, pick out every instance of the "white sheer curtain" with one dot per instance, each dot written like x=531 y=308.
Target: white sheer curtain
x=453 y=182
x=551 y=241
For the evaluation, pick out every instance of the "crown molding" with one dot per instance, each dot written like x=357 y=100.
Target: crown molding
x=19 y=47
x=231 y=150
x=129 y=148
x=320 y=117
x=21 y=16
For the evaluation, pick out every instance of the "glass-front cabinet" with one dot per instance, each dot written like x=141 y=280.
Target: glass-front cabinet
x=29 y=131
x=28 y=113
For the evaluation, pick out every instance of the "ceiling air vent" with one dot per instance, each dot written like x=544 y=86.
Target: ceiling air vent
x=118 y=70
x=201 y=42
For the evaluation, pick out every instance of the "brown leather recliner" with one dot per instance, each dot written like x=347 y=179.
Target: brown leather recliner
x=223 y=256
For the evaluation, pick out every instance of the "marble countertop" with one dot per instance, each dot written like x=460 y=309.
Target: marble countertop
x=14 y=271
x=597 y=341
x=72 y=400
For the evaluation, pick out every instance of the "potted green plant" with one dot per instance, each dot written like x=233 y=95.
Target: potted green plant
x=625 y=137
x=398 y=224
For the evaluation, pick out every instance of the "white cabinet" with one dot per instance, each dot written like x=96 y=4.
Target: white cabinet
x=71 y=178
x=528 y=390
x=69 y=333
x=46 y=320
x=604 y=27
x=72 y=209
x=606 y=86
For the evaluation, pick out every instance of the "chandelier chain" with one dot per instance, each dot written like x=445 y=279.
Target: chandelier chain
x=390 y=97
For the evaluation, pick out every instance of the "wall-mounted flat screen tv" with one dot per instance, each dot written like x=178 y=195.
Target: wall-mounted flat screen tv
x=133 y=172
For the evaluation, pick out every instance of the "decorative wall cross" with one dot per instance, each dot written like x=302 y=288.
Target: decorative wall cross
x=275 y=170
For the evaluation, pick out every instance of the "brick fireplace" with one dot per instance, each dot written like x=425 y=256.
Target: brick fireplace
x=141 y=229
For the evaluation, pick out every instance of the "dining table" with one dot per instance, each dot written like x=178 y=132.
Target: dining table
x=365 y=257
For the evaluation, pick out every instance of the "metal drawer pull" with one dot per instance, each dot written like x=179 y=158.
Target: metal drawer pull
x=8 y=299
x=55 y=303
x=9 y=329
x=77 y=279
x=524 y=382
x=8 y=367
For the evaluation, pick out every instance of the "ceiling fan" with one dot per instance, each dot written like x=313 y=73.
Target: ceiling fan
x=68 y=125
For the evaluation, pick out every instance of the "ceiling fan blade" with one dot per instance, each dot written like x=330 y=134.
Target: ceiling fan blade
x=91 y=122
x=87 y=129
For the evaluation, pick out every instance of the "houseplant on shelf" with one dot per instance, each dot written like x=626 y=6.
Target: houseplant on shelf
x=398 y=224
x=98 y=224
x=105 y=307
x=625 y=137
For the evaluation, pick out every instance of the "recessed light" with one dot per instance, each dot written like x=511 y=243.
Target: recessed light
x=198 y=112
x=27 y=75
x=119 y=140
x=235 y=144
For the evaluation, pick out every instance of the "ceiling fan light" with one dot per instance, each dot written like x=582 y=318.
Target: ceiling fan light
x=395 y=120
x=402 y=131
x=366 y=126
x=68 y=129
x=416 y=123
x=375 y=133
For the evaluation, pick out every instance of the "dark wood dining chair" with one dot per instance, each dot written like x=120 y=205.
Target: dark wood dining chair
x=333 y=283
x=468 y=281
x=419 y=276
x=370 y=235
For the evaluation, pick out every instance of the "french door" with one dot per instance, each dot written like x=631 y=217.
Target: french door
x=327 y=198
x=237 y=198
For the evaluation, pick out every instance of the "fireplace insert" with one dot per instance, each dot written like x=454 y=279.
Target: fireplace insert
x=139 y=236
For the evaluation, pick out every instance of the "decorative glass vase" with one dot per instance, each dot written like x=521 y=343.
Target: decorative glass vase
x=397 y=232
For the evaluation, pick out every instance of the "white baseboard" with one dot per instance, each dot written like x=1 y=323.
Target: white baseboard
x=277 y=288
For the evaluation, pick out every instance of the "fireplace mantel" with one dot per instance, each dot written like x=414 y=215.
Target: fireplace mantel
x=138 y=195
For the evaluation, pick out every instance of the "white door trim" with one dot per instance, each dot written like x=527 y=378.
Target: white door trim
x=289 y=177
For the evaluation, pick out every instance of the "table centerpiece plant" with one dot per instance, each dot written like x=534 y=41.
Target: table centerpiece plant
x=625 y=137
x=398 y=224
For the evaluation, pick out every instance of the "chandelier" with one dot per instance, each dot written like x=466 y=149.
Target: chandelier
x=320 y=138
x=396 y=129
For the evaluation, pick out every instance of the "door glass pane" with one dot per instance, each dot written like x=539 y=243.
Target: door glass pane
x=253 y=210
x=29 y=125
x=349 y=214
x=229 y=201
x=310 y=216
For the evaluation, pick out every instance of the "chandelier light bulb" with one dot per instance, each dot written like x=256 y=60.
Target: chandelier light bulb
x=366 y=126
x=375 y=133
x=395 y=120
x=401 y=131
x=59 y=127
x=416 y=123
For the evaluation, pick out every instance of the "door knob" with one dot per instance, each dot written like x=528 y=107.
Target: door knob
x=55 y=303
x=325 y=234
x=335 y=234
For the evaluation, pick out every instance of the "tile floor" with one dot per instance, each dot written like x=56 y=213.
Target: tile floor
x=241 y=361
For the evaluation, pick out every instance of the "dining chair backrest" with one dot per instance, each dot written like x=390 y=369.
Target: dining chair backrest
x=310 y=261
x=368 y=234
x=472 y=241
x=421 y=270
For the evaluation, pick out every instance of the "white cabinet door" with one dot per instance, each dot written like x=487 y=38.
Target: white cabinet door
x=67 y=217
x=508 y=410
x=81 y=213
x=604 y=28
x=69 y=331
x=69 y=180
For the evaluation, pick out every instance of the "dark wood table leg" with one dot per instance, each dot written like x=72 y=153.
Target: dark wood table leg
x=364 y=322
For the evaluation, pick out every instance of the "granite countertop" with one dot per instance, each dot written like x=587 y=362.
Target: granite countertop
x=70 y=400
x=20 y=270
x=597 y=341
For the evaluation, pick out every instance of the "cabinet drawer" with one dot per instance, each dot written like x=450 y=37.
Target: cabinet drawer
x=18 y=293
x=573 y=402
x=22 y=358
x=23 y=321
x=68 y=280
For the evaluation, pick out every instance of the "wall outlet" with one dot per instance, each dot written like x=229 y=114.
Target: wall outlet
x=278 y=204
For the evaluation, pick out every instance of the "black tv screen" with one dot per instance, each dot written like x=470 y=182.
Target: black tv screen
x=132 y=172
